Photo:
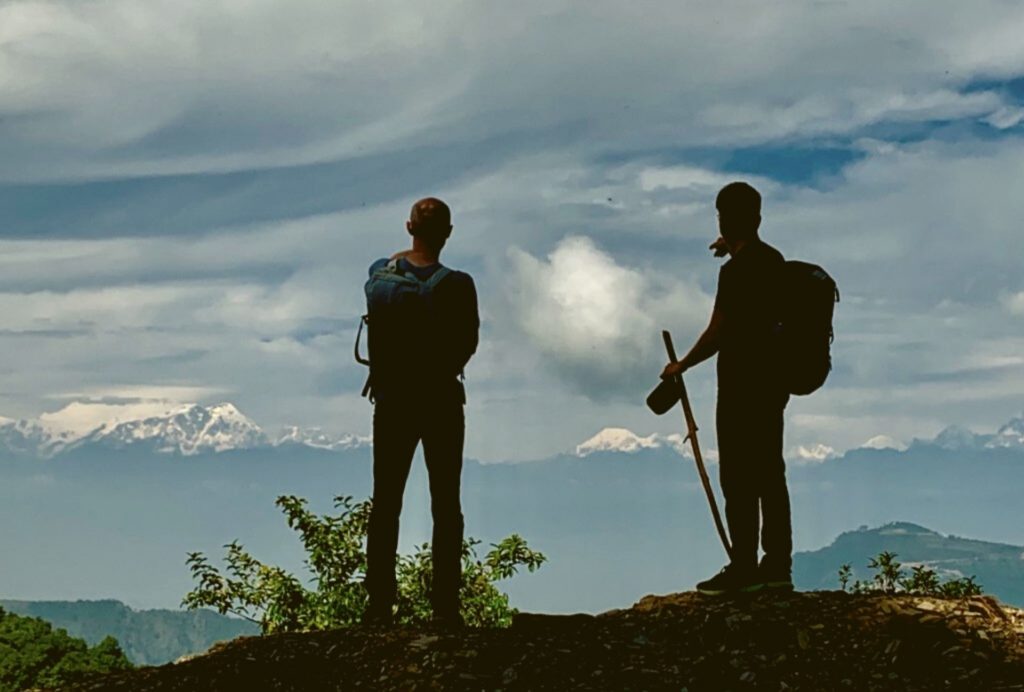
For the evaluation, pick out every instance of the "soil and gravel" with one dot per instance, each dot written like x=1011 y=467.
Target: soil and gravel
x=820 y=641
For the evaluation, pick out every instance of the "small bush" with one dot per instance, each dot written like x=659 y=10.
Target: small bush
x=890 y=577
x=336 y=556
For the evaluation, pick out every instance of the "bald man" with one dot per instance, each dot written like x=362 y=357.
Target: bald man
x=423 y=328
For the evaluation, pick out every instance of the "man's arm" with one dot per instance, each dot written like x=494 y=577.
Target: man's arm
x=471 y=315
x=464 y=323
x=706 y=346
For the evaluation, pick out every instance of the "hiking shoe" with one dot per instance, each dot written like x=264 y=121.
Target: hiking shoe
x=730 y=580
x=771 y=577
x=375 y=616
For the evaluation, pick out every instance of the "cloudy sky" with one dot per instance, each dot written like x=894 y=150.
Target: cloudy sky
x=191 y=193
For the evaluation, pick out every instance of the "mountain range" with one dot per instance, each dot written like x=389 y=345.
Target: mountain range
x=193 y=429
x=184 y=430
x=952 y=438
x=105 y=515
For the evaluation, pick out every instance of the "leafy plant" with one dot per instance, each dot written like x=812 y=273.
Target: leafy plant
x=960 y=588
x=336 y=557
x=922 y=580
x=845 y=572
x=890 y=577
x=888 y=572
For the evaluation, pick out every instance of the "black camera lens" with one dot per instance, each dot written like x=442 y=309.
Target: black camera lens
x=664 y=396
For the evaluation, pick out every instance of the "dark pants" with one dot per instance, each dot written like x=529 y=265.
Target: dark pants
x=398 y=427
x=753 y=476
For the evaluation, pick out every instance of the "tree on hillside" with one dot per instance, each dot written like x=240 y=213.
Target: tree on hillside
x=34 y=654
x=336 y=557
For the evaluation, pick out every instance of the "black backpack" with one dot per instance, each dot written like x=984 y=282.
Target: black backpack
x=805 y=329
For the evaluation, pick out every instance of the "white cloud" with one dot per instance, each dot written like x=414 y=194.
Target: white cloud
x=1005 y=117
x=596 y=322
x=81 y=417
x=110 y=307
x=819 y=114
x=143 y=393
x=682 y=177
x=811 y=454
x=1014 y=302
x=118 y=86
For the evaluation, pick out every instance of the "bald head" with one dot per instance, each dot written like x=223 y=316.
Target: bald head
x=430 y=221
x=430 y=215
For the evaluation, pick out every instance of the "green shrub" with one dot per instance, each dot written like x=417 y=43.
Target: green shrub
x=890 y=577
x=336 y=556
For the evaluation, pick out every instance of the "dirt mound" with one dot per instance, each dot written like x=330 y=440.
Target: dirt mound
x=792 y=641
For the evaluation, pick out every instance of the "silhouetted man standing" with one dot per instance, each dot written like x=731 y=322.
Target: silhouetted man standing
x=751 y=397
x=423 y=328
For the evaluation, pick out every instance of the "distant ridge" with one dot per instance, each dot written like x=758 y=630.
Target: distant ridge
x=149 y=637
x=999 y=567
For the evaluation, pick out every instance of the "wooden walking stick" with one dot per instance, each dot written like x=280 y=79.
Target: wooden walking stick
x=691 y=435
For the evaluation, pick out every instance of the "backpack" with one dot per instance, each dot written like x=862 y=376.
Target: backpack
x=396 y=302
x=805 y=328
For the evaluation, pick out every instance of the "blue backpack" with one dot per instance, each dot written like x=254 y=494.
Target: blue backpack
x=396 y=302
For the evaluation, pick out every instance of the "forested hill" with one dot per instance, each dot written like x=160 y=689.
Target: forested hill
x=149 y=637
x=998 y=567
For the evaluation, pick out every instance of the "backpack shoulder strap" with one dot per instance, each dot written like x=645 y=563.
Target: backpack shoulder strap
x=436 y=278
x=365 y=319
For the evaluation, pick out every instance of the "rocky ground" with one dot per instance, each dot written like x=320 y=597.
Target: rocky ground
x=797 y=641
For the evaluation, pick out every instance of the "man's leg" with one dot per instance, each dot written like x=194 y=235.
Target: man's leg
x=395 y=437
x=776 y=529
x=442 y=447
x=739 y=488
x=738 y=480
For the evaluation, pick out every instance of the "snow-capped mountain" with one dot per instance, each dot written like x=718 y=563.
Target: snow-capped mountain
x=31 y=437
x=179 y=429
x=1010 y=435
x=627 y=441
x=190 y=429
x=315 y=437
x=884 y=442
x=954 y=438
x=959 y=438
